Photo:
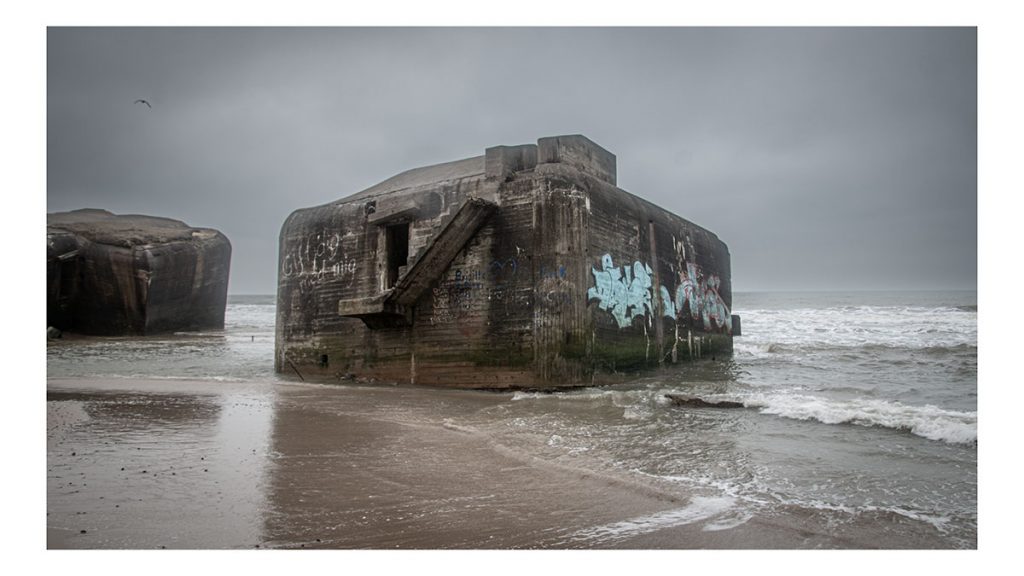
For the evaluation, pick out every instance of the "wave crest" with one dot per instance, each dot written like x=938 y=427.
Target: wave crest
x=928 y=421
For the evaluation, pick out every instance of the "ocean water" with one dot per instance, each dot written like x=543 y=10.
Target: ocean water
x=857 y=405
x=243 y=351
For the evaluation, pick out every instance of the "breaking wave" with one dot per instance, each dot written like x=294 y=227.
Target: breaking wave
x=950 y=426
x=858 y=326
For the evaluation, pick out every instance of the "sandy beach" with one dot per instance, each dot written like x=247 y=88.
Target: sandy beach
x=150 y=463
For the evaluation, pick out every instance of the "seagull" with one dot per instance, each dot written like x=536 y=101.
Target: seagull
x=143 y=101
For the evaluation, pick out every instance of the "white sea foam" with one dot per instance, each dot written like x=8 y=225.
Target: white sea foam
x=769 y=331
x=700 y=508
x=564 y=396
x=248 y=317
x=635 y=413
x=952 y=426
x=728 y=522
x=186 y=377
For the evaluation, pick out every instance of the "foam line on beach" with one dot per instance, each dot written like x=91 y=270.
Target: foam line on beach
x=930 y=422
x=700 y=508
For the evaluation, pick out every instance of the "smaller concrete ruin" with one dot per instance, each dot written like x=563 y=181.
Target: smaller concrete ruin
x=109 y=274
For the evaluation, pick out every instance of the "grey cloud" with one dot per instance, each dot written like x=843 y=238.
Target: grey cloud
x=826 y=158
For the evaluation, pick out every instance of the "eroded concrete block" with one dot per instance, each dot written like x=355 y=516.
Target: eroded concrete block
x=132 y=274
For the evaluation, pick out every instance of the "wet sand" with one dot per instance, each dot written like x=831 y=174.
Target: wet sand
x=145 y=464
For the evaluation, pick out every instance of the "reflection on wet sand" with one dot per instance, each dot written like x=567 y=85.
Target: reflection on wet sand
x=178 y=464
x=379 y=468
x=154 y=469
x=215 y=465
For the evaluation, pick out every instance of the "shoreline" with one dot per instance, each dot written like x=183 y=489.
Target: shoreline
x=151 y=463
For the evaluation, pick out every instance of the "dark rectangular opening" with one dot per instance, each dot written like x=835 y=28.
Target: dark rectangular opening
x=397 y=249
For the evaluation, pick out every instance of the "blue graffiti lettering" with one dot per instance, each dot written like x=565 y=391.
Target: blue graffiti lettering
x=625 y=292
x=628 y=295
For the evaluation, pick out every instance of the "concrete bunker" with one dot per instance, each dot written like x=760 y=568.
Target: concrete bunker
x=525 y=267
x=112 y=275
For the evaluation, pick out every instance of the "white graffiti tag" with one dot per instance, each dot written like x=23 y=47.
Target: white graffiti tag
x=317 y=256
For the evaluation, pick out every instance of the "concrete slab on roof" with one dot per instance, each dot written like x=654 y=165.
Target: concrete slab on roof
x=423 y=176
x=125 y=230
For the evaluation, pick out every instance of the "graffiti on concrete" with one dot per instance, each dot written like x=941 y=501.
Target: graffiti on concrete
x=699 y=295
x=555 y=291
x=454 y=296
x=466 y=294
x=317 y=256
x=558 y=272
x=503 y=270
x=626 y=293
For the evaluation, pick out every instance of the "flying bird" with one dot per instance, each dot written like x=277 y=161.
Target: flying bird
x=144 y=102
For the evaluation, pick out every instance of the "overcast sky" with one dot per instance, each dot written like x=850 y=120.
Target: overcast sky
x=826 y=158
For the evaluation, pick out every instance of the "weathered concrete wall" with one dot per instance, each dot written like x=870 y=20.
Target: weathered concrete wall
x=113 y=275
x=61 y=277
x=569 y=280
x=333 y=253
x=579 y=153
x=660 y=287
